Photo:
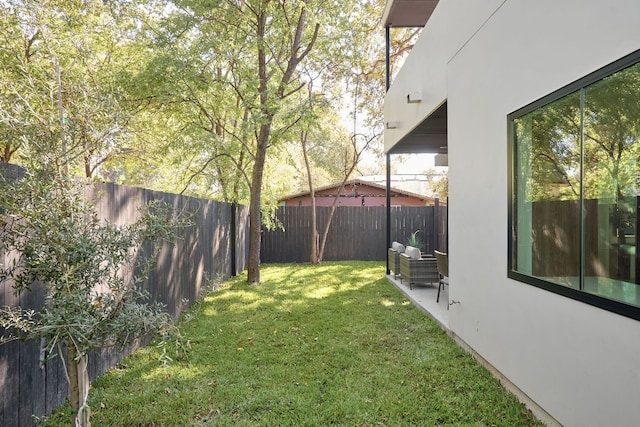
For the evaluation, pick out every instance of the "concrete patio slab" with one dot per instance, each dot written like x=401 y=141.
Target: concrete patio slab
x=424 y=298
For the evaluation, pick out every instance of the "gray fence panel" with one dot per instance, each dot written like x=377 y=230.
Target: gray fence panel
x=29 y=387
x=356 y=233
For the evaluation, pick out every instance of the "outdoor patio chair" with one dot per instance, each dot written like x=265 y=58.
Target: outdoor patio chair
x=443 y=270
x=415 y=268
x=393 y=257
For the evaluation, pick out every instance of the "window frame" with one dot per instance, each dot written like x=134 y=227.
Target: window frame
x=579 y=85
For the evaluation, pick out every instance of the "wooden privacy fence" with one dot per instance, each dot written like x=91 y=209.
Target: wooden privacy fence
x=356 y=233
x=216 y=245
x=29 y=387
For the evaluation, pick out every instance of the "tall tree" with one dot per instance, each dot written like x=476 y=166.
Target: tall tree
x=277 y=61
x=62 y=77
x=350 y=156
x=239 y=67
x=326 y=144
x=353 y=84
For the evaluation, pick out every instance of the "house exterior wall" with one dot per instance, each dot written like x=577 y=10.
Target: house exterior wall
x=578 y=362
x=416 y=75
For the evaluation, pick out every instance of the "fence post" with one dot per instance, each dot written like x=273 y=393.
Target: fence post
x=436 y=224
x=388 y=195
x=233 y=239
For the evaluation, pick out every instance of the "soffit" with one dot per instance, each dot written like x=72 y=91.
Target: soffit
x=408 y=13
x=430 y=136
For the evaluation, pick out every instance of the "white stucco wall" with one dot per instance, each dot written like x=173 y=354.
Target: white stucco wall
x=416 y=75
x=580 y=363
x=466 y=17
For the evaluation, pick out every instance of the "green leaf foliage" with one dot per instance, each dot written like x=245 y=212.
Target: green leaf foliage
x=91 y=270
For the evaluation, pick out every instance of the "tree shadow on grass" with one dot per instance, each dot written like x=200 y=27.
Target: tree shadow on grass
x=310 y=345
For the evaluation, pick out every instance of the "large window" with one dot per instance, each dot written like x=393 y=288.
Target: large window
x=575 y=190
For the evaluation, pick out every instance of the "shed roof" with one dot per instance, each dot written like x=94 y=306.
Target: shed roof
x=358 y=182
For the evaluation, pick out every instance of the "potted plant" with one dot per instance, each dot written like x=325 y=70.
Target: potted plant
x=415 y=241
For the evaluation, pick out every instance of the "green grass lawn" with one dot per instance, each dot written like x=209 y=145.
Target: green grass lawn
x=334 y=344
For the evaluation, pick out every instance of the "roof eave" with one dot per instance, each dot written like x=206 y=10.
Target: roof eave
x=408 y=13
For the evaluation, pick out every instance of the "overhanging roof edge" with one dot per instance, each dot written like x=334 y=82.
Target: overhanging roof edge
x=431 y=130
x=408 y=13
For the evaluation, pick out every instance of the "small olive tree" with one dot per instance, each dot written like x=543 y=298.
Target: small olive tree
x=92 y=272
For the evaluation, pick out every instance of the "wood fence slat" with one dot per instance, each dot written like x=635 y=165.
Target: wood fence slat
x=356 y=233
x=28 y=389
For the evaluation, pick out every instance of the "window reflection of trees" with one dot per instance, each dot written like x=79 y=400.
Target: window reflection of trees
x=610 y=129
x=556 y=150
x=583 y=145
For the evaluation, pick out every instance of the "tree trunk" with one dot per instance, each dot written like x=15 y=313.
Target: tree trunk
x=313 y=257
x=255 y=222
x=325 y=232
x=78 y=375
x=63 y=134
x=348 y=171
x=74 y=392
x=87 y=167
x=268 y=109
